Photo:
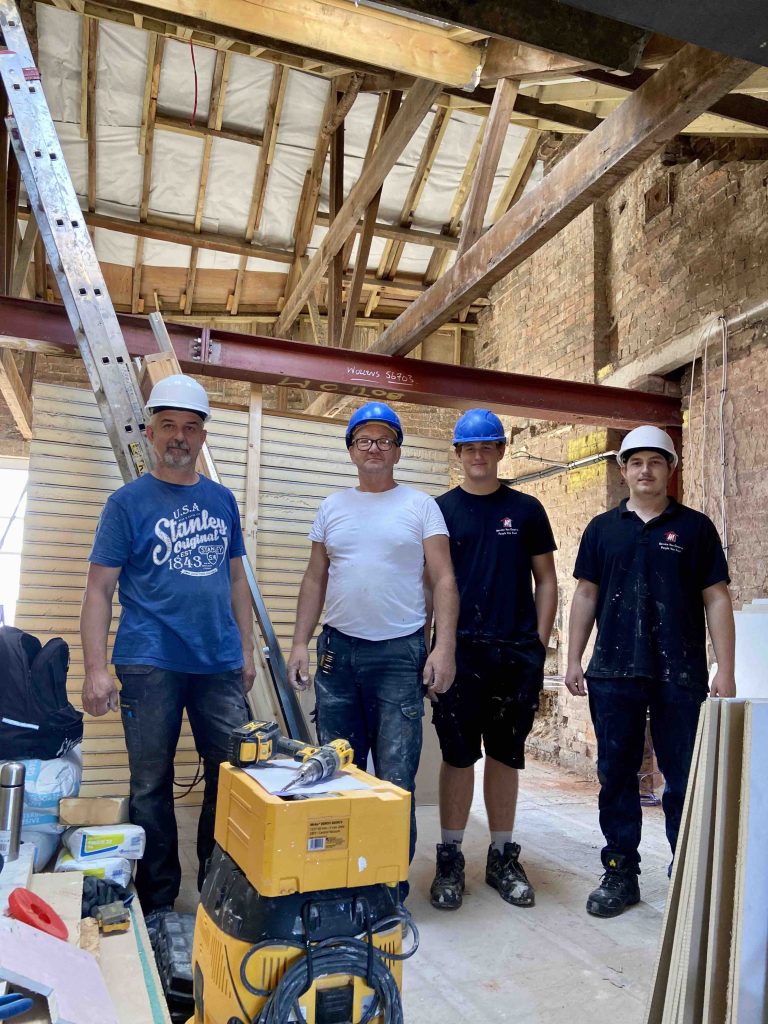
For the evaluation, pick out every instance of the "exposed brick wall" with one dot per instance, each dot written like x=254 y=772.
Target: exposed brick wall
x=620 y=281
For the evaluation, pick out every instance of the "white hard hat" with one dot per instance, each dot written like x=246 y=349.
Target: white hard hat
x=179 y=392
x=647 y=439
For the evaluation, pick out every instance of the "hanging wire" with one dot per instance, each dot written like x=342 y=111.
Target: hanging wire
x=194 y=71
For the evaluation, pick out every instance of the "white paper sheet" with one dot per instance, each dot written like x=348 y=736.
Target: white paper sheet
x=276 y=775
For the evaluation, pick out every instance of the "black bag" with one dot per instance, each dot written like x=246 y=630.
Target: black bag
x=36 y=719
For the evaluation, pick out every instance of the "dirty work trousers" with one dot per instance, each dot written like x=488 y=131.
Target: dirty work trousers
x=619 y=708
x=152 y=701
x=371 y=693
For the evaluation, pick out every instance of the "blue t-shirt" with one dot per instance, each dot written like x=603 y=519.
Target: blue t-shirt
x=173 y=543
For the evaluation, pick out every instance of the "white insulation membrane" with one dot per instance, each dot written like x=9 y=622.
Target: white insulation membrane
x=177 y=158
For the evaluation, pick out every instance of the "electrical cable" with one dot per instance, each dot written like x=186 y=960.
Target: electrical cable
x=194 y=71
x=341 y=955
x=195 y=781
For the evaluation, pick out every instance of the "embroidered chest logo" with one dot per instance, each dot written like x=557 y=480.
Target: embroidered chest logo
x=505 y=528
x=670 y=542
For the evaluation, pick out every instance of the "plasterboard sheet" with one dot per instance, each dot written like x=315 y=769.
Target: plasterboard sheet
x=751 y=654
x=751 y=939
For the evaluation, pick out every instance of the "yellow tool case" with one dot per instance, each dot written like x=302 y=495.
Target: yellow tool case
x=338 y=840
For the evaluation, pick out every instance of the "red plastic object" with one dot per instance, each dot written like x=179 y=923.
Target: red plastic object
x=28 y=908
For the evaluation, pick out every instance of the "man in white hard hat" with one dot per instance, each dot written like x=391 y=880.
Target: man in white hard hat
x=649 y=572
x=172 y=544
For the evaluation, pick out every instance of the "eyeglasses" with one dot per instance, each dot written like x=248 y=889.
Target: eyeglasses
x=384 y=444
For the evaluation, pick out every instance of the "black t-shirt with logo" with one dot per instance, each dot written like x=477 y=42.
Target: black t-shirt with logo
x=493 y=538
x=650 y=612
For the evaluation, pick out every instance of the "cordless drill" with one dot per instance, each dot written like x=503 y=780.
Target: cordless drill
x=256 y=743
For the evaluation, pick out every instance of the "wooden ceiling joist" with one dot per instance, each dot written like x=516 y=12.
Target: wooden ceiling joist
x=332 y=30
x=393 y=250
x=406 y=121
x=12 y=390
x=488 y=162
x=519 y=176
x=546 y=24
x=691 y=81
x=383 y=120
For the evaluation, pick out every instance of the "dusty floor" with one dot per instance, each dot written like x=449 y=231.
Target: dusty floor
x=552 y=964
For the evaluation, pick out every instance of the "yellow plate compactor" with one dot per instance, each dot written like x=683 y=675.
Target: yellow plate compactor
x=299 y=918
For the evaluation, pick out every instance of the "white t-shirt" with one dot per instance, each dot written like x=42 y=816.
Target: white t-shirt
x=375 y=545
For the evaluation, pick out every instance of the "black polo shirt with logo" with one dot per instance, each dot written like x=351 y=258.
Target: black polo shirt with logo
x=650 y=612
x=493 y=538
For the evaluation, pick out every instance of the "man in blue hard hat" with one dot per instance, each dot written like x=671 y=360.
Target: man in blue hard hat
x=649 y=571
x=171 y=543
x=502 y=549
x=369 y=547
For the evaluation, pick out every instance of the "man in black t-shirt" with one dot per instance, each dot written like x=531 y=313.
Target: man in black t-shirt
x=647 y=571
x=502 y=547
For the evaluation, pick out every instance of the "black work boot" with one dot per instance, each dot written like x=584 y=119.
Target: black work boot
x=618 y=889
x=505 y=873
x=447 y=889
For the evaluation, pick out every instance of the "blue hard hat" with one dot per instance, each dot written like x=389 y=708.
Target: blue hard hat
x=374 y=412
x=478 y=425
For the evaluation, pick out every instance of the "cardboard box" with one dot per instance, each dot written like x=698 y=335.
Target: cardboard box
x=93 y=810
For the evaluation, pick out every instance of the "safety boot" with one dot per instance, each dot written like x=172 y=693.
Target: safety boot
x=447 y=891
x=618 y=889
x=505 y=873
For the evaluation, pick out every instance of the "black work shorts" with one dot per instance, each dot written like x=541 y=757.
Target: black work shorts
x=492 y=702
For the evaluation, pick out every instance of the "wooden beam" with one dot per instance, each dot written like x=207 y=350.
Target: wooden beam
x=12 y=390
x=331 y=30
x=93 y=43
x=336 y=264
x=439 y=258
x=400 y=233
x=182 y=235
x=659 y=110
x=266 y=157
x=181 y=126
x=393 y=252
x=488 y=162
x=405 y=123
x=390 y=108
x=505 y=59
x=519 y=176
x=24 y=257
x=546 y=24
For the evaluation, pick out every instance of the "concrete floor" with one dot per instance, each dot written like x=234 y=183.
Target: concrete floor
x=551 y=964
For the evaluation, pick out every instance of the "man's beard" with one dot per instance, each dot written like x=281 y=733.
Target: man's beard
x=177 y=457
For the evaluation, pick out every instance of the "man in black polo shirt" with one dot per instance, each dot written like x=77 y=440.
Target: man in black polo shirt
x=648 y=571
x=501 y=546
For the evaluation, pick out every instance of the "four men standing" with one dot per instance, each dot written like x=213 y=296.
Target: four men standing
x=647 y=570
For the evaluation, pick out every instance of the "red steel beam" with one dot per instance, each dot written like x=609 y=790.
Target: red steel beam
x=359 y=374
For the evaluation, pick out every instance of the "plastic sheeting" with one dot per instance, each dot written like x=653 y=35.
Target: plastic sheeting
x=177 y=159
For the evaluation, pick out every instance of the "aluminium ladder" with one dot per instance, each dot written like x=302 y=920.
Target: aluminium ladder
x=75 y=266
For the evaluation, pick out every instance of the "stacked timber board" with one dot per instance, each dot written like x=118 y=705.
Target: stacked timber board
x=712 y=965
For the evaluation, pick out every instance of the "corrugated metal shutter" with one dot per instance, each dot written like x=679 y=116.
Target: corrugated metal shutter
x=72 y=472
